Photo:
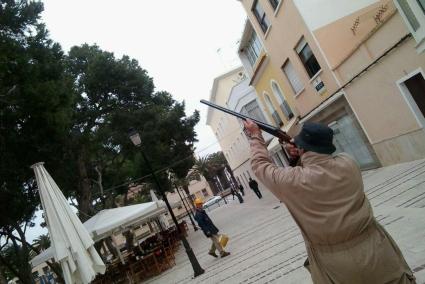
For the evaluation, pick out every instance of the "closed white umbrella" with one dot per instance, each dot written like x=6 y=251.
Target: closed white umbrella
x=72 y=245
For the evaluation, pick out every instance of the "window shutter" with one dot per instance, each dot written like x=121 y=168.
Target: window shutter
x=293 y=78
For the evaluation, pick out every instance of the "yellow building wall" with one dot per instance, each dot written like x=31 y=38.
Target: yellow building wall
x=263 y=85
x=287 y=29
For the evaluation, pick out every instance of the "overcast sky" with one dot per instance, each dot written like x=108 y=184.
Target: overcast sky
x=182 y=44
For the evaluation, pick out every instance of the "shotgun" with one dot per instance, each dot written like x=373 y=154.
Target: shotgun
x=273 y=130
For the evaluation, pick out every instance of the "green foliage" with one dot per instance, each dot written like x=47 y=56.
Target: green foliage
x=114 y=95
x=9 y=255
x=211 y=165
x=73 y=112
x=35 y=101
x=35 y=115
x=42 y=242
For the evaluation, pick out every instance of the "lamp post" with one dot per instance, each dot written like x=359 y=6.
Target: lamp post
x=187 y=211
x=220 y=188
x=197 y=269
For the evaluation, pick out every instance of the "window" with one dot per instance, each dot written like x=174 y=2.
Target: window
x=260 y=15
x=292 y=76
x=253 y=48
x=286 y=109
x=274 y=3
x=252 y=109
x=405 y=7
x=348 y=138
x=204 y=192
x=272 y=111
x=413 y=14
x=308 y=59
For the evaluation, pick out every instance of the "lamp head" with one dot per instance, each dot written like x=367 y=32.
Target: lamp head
x=134 y=137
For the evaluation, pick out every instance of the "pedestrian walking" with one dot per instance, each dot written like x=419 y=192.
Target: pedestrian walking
x=209 y=229
x=241 y=189
x=239 y=196
x=235 y=193
x=325 y=196
x=254 y=186
x=232 y=191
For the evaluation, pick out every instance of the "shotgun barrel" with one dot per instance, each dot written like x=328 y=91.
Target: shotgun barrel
x=273 y=130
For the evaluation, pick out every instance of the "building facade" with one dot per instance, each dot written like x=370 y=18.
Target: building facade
x=198 y=188
x=354 y=66
x=232 y=90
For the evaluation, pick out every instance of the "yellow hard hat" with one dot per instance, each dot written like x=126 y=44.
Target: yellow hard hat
x=198 y=201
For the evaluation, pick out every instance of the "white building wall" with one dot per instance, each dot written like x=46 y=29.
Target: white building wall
x=318 y=13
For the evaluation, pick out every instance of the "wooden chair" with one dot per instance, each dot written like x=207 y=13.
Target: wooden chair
x=151 y=263
x=169 y=250
x=118 y=274
x=164 y=260
x=174 y=237
x=138 y=270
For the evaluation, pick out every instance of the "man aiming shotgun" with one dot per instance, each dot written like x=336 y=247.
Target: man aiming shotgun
x=324 y=194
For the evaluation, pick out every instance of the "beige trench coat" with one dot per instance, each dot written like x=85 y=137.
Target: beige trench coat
x=325 y=196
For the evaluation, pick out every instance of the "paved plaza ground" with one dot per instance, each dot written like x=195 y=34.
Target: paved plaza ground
x=266 y=245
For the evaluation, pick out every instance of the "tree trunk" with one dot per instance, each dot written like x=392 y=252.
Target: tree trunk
x=213 y=187
x=99 y=183
x=84 y=190
x=223 y=179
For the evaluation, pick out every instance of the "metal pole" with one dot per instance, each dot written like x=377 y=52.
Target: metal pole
x=189 y=203
x=197 y=269
x=220 y=187
x=185 y=207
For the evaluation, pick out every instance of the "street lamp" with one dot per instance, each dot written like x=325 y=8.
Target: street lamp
x=197 y=269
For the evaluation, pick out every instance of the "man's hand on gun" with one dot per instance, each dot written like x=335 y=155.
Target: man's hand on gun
x=290 y=148
x=251 y=129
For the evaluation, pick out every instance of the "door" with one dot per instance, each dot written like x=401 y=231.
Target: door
x=416 y=87
x=348 y=138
